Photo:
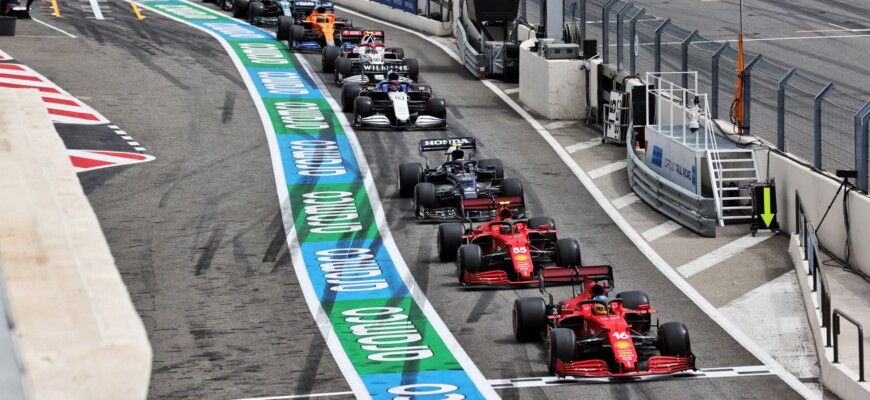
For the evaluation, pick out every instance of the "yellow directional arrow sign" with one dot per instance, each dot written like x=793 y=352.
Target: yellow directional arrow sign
x=767 y=216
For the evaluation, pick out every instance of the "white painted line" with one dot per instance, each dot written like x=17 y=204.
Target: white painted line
x=300 y=396
x=723 y=253
x=126 y=138
x=583 y=145
x=95 y=7
x=629 y=231
x=134 y=144
x=54 y=27
x=512 y=91
x=625 y=201
x=661 y=230
x=607 y=169
x=840 y=27
x=120 y=132
x=723 y=372
x=559 y=124
x=139 y=148
x=113 y=126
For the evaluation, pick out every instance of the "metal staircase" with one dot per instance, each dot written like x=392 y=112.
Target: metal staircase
x=731 y=171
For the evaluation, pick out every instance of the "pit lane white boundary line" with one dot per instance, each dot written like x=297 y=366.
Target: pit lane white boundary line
x=321 y=318
x=53 y=27
x=666 y=269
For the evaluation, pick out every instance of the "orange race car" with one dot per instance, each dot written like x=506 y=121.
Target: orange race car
x=312 y=30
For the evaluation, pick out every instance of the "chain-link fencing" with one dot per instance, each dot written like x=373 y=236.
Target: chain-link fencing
x=794 y=111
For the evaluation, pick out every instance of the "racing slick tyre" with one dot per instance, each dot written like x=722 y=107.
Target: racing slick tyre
x=344 y=67
x=400 y=53
x=492 y=162
x=255 y=12
x=537 y=222
x=438 y=107
x=424 y=194
x=633 y=300
x=410 y=174
x=240 y=8
x=424 y=88
x=413 y=68
x=674 y=340
x=568 y=253
x=470 y=260
x=561 y=344
x=328 y=58
x=282 y=29
x=449 y=240
x=530 y=318
x=512 y=187
x=349 y=93
x=297 y=33
x=362 y=107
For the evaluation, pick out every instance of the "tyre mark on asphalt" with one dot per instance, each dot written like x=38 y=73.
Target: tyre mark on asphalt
x=480 y=306
x=421 y=269
x=278 y=239
x=209 y=168
x=209 y=250
x=229 y=105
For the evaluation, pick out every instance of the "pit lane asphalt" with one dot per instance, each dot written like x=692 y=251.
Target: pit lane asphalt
x=197 y=237
x=480 y=319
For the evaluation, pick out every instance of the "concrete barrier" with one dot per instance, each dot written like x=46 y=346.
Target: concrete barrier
x=78 y=332
x=555 y=89
x=396 y=16
x=837 y=378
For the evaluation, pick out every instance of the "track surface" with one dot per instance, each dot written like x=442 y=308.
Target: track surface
x=198 y=238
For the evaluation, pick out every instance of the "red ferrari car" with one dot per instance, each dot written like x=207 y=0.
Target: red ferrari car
x=505 y=251
x=593 y=336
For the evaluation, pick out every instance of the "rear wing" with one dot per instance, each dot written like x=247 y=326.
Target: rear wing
x=580 y=274
x=356 y=35
x=311 y=5
x=465 y=143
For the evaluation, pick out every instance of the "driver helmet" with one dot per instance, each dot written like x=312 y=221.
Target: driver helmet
x=505 y=229
x=599 y=309
x=392 y=75
x=456 y=155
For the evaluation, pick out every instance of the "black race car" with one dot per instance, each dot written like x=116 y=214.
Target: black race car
x=459 y=188
x=394 y=104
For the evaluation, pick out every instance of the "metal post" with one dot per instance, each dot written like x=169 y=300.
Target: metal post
x=747 y=92
x=780 y=108
x=583 y=26
x=861 y=142
x=684 y=65
x=620 y=15
x=635 y=46
x=522 y=9
x=714 y=80
x=605 y=31
x=836 y=333
x=817 y=124
x=658 y=48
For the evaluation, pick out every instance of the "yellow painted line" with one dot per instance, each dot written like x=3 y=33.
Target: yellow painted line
x=56 y=9
x=135 y=10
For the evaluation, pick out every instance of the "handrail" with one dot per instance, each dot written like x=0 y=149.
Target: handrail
x=837 y=315
x=810 y=242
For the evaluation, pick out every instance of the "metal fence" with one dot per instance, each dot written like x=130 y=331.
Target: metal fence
x=795 y=111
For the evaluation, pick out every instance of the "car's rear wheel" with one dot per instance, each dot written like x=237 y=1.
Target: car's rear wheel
x=496 y=164
x=344 y=67
x=240 y=8
x=674 y=340
x=398 y=51
x=470 y=260
x=530 y=318
x=537 y=222
x=410 y=174
x=633 y=300
x=567 y=253
x=255 y=12
x=562 y=345
x=413 y=68
x=329 y=57
x=349 y=93
x=512 y=187
x=449 y=240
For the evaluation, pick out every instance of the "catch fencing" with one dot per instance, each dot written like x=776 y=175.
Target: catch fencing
x=797 y=112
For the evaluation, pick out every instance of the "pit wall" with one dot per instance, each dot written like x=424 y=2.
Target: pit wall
x=77 y=330
x=420 y=23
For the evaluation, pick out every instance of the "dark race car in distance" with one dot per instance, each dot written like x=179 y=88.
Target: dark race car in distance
x=394 y=105
x=505 y=251
x=591 y=335
x=458 y=188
